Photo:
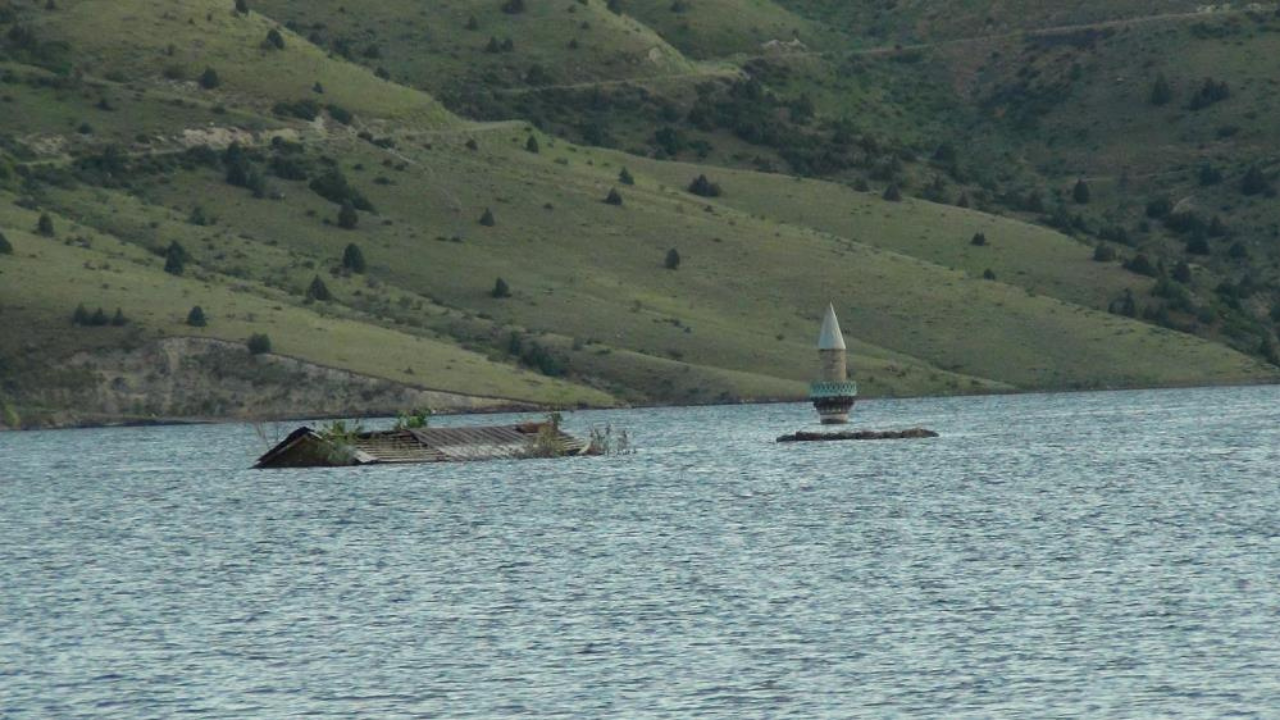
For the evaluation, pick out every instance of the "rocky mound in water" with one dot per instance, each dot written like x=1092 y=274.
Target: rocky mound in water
x=912 y=434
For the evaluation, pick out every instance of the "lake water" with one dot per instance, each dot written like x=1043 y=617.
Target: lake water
x=1100 y=555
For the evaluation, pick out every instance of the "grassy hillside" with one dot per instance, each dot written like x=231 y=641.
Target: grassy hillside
x=265 y=179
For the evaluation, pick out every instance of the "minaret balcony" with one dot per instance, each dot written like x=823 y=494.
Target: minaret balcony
x=821 y=390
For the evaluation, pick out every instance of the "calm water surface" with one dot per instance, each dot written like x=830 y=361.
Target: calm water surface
x=1100 y=555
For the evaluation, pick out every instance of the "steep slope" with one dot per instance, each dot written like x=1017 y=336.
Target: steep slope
x=494 y=260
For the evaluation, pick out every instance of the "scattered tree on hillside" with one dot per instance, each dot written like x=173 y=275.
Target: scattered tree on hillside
x=242 y=7
x=1141 y=265
x=500 y=289
x=1210 y=93
x=6 y=247
x=979 y=239
x=196 y=317
x=353 y=259
x=119 y=320
x=493 y=46
x=99 y=318
x=44 y=225
x=274 y=40
x=532 y=144
x=473 y=23
x=988 y=274
x=1237 y=251
x=892 y=193
x=80 y=316
x=625 y=177
x=1161 y=91
x=1198 y=245
x=703 y=187
x=1080 y=193
x=1182 y=272
x=487 y=219
x=175 y=258
x=317 y=291
x=513 y=7
x=613 y=198
x=348 y=218
x=1209 y=175
x=209 y=79
x=259 y=344
x=1125 y=305
x=1254 y=182
x=1104 y=253
x=614 y=6
x=672 y=261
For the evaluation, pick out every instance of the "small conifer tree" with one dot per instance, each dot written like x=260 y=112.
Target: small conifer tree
x=672 y=261
x=1182 y=272
x=99 y=318
x=242 y=7
x=45 y=225
x=196 y=317
x=1080 y=193
x=353 y=259
x=1104 y=253
x=80 y=316
x=487 y=218
x=613 y=198
x=703 y=187
x=275 y=39
x=317 y=290
x=500 y=289
x=988 y=274
x=6 y=247
x=209 y=79
x=892 y=193
x=979 y=239
x=119 y=320
x=626 y=178
x=1161 y=91
x=175 y=259
x=532 y=144
x=348 y=218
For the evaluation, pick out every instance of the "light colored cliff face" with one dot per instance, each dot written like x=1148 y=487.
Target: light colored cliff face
x=197 y=379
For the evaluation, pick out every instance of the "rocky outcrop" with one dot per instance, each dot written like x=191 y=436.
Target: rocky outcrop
x=200 y=379
x=912 y=434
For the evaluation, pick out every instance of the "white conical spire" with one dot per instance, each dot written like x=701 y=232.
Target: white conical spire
x=831 y=337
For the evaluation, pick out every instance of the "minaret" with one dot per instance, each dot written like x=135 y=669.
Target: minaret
x=833 y=396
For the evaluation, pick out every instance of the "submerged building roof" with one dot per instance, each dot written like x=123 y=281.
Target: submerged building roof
x=307 y=448
x=831 y=337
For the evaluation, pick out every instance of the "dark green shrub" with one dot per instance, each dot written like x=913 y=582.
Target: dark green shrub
x=274 y=39
x=318 y=291
x=80 y=316
x=209 y=79
x=259 y=344
x=892 y=193
x=353 y=259
x=988 y=274
x=1182 y=272
x=1254 y=182
x=1080 y=193
x=1141 y=265
x=1161 y=92
x=487 y=219
x=625 y=177
x=1104 y=253
x=44 y=225
x=979 y=239
x=348 y=218
x=341 y=114
x=119 y=320
x=513 y=7
x=500 y=289
x=196 y=317
x=532 y=144
x=613 y=198
x=6 y=247
x=672 y=261
x=99 y=318
x=175 y=259
x=703 y=187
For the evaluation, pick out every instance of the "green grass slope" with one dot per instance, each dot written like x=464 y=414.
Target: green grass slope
x=593 y=315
